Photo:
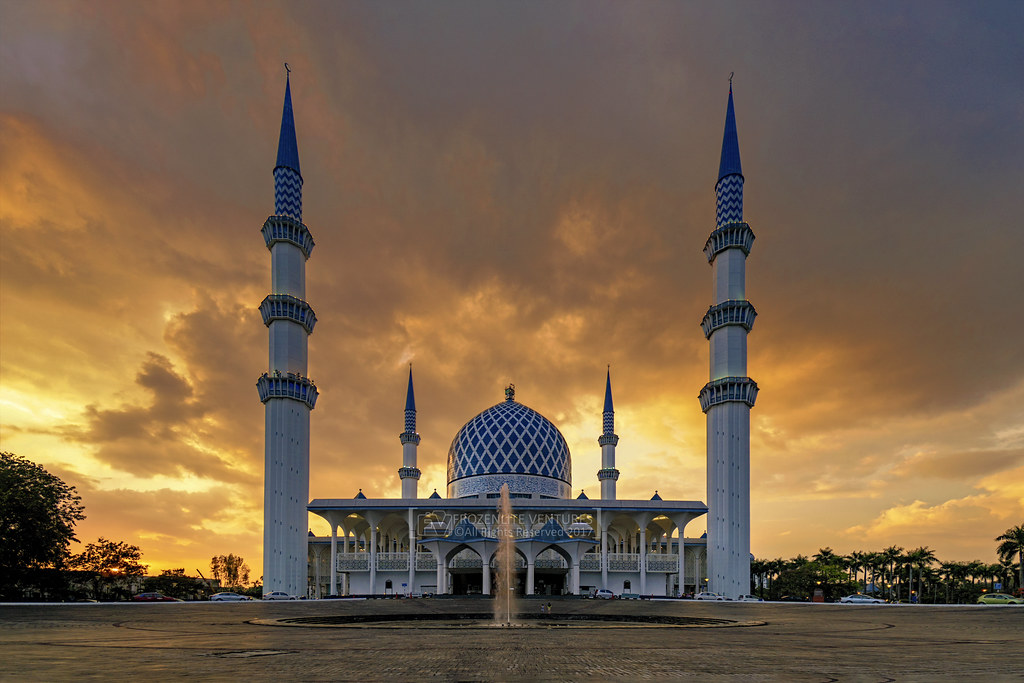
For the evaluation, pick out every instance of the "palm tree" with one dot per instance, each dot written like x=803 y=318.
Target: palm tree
x=890 y=555
x=919 y=557
x=824 y=556
x=858 y=561
x=1012 y=543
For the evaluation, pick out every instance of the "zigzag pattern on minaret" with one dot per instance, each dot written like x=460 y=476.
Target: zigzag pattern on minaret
x=287 y=193
x=609 y=423
x=410 y=421
x=729 y=195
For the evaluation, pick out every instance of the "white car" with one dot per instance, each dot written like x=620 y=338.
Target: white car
x=604 y=594
x=749 y=598
x=858 y=599
x=228 y=597
x=708 y=596
x=278 y=595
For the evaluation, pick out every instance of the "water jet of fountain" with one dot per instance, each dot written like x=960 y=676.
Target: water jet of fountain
x=504 y=593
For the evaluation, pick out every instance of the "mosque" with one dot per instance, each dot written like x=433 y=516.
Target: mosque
x=447 y=545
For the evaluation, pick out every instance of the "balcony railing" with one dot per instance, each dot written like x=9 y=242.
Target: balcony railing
x=662 y=563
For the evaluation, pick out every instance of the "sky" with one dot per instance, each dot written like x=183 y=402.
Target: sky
x=518 y=192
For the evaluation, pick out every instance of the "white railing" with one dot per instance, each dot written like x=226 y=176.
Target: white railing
x=394 y=562
x=425 y=561
x=663 y=563
x=353 y=562
x=591 y=562
x=623 y=562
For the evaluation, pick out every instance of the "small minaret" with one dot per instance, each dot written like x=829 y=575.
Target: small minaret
x=729 y=395
x=409 y=473
x=608 y=475
x=287 y=393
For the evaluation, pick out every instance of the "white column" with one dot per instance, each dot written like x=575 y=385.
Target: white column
x=575 y=576
x=486 y=567
x=530 y=574
x=373 y=558
x=334 y=559
x=643 y=560
x=604 y=549
x=412 y=553
x=682 y=564
x=440 y=572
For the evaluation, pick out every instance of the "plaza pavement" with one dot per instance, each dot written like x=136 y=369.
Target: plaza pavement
x=784 y=642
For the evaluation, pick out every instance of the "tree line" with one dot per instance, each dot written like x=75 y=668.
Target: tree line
x=893 y=573
x=38 y=515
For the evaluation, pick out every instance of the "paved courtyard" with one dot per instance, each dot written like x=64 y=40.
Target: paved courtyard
x=789 y=642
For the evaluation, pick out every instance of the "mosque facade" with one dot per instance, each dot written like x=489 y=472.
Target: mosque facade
x=448 y=544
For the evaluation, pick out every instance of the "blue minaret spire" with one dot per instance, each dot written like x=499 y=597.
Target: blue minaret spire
x=409 y=473
x=608 y=440
x=286 y=391
x=287 y=176
x=729 y=187
x=729 y=394
x=609 y=408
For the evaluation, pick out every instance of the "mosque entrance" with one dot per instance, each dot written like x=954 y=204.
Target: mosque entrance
x=466 y=582
x=550 y=583
x=471 y=582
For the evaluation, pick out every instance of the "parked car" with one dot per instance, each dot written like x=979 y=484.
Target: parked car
x=999 y=599
x=154 y=597
x=749 y=598
x=229 y=597
x=603 y=594
x=278 y=595
x=860 y=599
x=709 y=596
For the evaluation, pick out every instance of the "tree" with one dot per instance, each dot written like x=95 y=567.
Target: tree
x=230 y=570
x=921 y=558
x=174 y=583
x=1012 y=543
x=38 y=514
x=112 y=566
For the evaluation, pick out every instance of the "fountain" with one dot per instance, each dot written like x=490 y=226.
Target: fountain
x=505 y=585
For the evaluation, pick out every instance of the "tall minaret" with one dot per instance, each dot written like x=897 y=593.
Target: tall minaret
x=729 y=395
x=409 y=473
x=288 y=394
x=608 y=475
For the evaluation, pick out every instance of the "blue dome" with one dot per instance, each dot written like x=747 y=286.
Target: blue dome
x=509 y=444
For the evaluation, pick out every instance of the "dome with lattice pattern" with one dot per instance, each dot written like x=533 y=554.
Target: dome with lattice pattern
x=512 y=444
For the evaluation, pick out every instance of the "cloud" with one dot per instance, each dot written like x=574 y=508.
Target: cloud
x=517 y=196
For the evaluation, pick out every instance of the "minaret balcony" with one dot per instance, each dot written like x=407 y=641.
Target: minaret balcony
x=410 y=437
x=608 y=473
x=287 y=385
x=608 y=440
x=729 y=236
x=728 y=389
x=287 y=229
x=287 y=307
x=732 y=312
x=409 y=473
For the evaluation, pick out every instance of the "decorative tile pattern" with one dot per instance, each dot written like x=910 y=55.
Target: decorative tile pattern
x=517 y=483
x=287 y=193
x=510 y=438
x=609 y=422
x=729 y=200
